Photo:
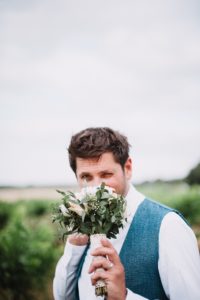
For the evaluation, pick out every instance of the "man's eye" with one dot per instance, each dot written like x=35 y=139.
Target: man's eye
x=107 y=175
x=86 y=177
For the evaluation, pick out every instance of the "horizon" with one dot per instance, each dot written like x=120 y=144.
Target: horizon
x=158 y=180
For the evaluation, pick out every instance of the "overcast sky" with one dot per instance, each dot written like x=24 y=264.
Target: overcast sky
x=66 y=65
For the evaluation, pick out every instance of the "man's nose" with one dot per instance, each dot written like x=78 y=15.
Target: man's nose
x=96 y=181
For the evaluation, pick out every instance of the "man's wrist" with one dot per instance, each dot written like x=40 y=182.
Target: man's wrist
x=76 y=249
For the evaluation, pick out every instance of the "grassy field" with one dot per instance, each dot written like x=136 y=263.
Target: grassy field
x=29 y=243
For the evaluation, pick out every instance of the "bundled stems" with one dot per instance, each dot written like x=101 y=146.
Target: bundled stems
x=100 y=286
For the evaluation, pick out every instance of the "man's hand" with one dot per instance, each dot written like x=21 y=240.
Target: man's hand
x=78 y=239
x=113 y=273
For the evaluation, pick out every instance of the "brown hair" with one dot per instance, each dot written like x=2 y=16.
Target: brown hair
x=93 y=142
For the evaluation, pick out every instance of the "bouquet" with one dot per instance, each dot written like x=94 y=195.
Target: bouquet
x=96 y=212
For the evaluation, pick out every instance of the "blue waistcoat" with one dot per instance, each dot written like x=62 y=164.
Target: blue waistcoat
x=140 y=250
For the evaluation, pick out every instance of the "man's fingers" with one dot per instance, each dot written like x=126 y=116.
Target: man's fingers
x=105 y=242
x=78 y=239
x=100 y=263
x=99 y=275
x=107 y=251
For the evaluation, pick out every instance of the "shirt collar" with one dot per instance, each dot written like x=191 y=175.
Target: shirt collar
x=133 y=200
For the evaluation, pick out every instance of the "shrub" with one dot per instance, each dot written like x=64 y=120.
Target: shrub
x=37 y=207
x=26 y=260
x=5 y=213
x=189 y=206
x=194 y=175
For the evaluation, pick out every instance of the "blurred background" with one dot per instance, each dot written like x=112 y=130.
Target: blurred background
x=64 y=66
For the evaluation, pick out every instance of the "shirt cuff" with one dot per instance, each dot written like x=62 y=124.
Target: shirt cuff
x=132 y=296
x=73 y=252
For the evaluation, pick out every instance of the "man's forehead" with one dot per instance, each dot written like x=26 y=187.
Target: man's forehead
x=87 y=161
x=93 y=165
x=105 y=157
x=92 y=159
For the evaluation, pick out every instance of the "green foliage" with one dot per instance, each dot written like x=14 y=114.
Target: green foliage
x=189 y=206
x=6 y=210
x=194 y=175
x=37 y=207
x=94 y=211
x=28 y=252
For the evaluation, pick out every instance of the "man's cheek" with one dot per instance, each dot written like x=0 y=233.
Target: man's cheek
x=111 y=184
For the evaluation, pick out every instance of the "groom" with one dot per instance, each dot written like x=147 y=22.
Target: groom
x=155 y=256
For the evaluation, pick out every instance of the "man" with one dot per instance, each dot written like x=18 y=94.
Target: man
x=155 y=255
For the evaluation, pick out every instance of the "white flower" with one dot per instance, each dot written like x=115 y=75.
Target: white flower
x=78 y=196
x=64 y=210
x=91 y=190
x=76 y=208
x=111 y=191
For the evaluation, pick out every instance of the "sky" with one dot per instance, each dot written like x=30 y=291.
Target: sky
x=133 y=66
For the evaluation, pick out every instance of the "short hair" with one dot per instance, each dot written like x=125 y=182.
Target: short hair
x=94 y=141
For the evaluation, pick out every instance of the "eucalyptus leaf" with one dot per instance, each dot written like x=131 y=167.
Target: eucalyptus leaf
x=105 y=195
x=92 y=218
x=61 y=192
x=113 y=219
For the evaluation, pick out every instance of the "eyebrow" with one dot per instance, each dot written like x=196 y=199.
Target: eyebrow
x=83 y=174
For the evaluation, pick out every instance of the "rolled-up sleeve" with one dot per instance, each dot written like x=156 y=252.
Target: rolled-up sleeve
x=64 y=282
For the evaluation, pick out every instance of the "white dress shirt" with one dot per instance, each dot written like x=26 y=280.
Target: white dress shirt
x=178 y=265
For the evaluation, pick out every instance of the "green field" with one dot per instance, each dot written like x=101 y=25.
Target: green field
x=30 y=247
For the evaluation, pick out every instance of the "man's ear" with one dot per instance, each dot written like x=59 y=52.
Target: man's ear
x=128 y=168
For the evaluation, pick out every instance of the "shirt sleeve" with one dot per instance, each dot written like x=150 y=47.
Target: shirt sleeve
x=179 y=261
x=65 y=274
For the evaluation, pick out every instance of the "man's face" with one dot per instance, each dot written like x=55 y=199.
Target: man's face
x=105 y=169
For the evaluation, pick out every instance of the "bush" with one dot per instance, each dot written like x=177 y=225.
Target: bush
x=194 y=176
x=5 y=213
x=189 y=206
x=27 y=258
x=37 y=207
